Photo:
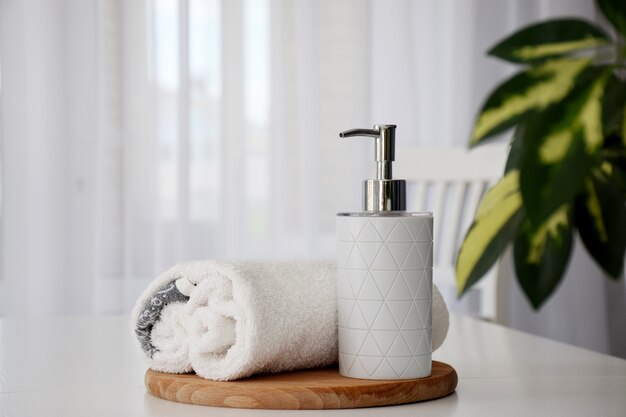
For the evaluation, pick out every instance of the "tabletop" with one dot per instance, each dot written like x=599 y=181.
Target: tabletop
x=89 y=366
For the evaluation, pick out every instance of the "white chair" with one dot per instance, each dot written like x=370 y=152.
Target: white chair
x=450 y=182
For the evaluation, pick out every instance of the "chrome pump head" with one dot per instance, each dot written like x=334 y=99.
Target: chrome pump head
x=383 y=193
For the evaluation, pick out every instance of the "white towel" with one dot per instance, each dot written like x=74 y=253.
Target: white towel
x=246 y=317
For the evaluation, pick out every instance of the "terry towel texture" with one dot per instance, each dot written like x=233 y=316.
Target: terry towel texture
x=231 y=319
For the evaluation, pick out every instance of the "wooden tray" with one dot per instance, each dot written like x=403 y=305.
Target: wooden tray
x=310 y=389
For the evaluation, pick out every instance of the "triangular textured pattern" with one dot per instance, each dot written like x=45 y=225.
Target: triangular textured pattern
x=356 y=320
x=424 y=362
x=384 y=226
x=425 y=345
x=424 y=288
x=399 y=347
x=399 y=290
x=399 y=310
x=425 y=250
x=384 y=280
x=425 y=311
x=384 y=319
x=369 y=250
x=356 y=261
x=399 y=234
x=413 y=259
x=344 y=250
x=398 y=364
x=369 y=290
x=412 y=368
x=425 y=233
x=384 y=339
x=413 y=279
x=357 y=370
x=384 y=285
x=384 y=260
x=355 y=224
x=399 y=251
x=385 y=371
x=357 y=337
x=370 y=347
x=413 y=320
x=369 y=234
x=370 y=310
x=412 y=338
x=346 y=362
x=356 y=278
x=343 y=232
x=370 y=364
x=413 y=227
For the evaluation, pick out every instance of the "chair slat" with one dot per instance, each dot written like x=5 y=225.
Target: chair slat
x=472 y=198
x=454 y=214
x=438 y=207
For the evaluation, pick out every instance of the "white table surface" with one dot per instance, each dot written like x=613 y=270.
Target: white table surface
x=88 y=366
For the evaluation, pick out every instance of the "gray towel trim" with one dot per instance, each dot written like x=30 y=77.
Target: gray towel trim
x=151 y=313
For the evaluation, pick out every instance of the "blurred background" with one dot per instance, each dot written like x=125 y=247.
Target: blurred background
x=139 y=133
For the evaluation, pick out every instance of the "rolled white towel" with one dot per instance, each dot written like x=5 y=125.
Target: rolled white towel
x=231 y=319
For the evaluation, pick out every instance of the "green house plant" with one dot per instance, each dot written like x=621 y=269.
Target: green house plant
x=566 y=168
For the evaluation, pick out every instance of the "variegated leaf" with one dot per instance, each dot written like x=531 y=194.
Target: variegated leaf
x=560 y=145
x=614 y=106
x=494 y=226
x=600 y=216
x=517 y=146
x=533 y=89
x=549 y=39
x=541 y=255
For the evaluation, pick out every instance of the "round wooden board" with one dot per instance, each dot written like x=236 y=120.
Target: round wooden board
x=310 y=389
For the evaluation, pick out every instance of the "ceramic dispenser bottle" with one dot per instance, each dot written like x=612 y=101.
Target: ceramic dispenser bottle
x=384 y=276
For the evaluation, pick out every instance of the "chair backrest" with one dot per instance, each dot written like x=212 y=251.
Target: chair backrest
x=450 y=182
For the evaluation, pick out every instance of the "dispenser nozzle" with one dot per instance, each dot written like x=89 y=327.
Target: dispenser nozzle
x=385 y=145
x=359 y=132
x=383 y=193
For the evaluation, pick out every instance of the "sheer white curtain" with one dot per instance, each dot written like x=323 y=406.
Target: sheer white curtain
x=229 y=132
x=140 y=133
x=143 y=133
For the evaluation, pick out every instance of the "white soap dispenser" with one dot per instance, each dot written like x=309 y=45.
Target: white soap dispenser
x=384 y=277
